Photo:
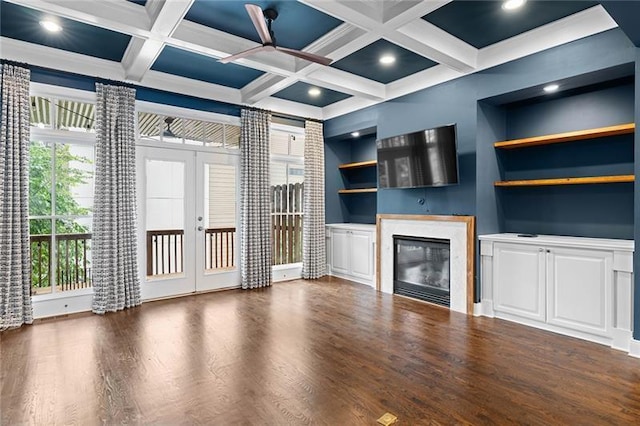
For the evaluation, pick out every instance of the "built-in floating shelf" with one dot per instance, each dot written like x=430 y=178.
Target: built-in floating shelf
x=358 y=165
x=621 y=129
x=567 y=181
x=357 y=191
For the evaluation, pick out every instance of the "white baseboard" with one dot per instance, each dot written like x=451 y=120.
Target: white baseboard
x=287 y=272
x=634 y=349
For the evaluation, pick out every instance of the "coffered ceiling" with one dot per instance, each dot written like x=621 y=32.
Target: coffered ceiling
x=174 y=45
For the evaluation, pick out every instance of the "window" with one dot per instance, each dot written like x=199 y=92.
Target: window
x=287 y=186
x=177 y=130
x=61 y=175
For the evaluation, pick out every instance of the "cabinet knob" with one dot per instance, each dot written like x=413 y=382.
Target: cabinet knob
x=540 y=249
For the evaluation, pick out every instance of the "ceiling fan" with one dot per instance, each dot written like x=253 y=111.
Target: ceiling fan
x=268 y=38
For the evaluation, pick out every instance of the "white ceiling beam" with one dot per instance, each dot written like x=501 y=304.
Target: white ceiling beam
x=292 y=108
x=264 y=86
x=427 y=40
x=574 y=27
x=166 y=16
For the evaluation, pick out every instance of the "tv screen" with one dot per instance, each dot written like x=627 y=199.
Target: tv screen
x=424 y=158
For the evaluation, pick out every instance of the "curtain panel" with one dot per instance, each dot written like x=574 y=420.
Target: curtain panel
x=255 y=202
x=313 y=229
x=15 y=260
x=116 y=284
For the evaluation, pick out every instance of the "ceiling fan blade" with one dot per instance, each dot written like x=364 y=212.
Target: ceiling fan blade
x=257 y=17
x=306 y=55
x=243 y=54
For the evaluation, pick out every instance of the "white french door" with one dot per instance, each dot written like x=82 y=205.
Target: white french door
x=188 y=239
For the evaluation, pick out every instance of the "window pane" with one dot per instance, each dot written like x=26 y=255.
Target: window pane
x=40 y=242
x=74 y=179
x=73 y=254
x=279 y=143
x=193 y=132
x=149 y=125
x=172 y=130
x=75 y=116
x=232 y=136
x=40 y=112
x=214 y=133
x=40 y=179
x=296 y=147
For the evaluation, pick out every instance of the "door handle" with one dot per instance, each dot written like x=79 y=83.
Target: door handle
x=200 y=228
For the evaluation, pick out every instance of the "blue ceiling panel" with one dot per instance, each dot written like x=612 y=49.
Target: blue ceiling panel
x=298 y=92
x=22 y=23
x=365 y=62
x=483 y=23
x=204 y=68
x=296 y=26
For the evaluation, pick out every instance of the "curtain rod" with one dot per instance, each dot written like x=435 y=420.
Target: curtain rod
x=282 y=114
x=15 y=63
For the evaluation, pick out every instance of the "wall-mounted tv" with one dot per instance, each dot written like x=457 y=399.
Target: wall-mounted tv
x=425 y=158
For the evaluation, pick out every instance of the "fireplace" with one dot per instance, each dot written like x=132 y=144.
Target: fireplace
x=421 y=268
x=458 y=230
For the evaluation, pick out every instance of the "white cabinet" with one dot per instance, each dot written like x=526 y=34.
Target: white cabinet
x=571 y=285
x=519 y=280
x=350 y=254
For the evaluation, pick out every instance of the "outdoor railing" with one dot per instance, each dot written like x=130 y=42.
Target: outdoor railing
x=73 y=268
x=165 y=251
x=219 y=248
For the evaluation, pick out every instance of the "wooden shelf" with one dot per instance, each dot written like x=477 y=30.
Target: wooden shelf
x=567 y=181
x=600 y=132
x=358 y=165
x=357 y=191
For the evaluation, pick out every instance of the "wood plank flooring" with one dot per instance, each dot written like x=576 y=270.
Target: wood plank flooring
x=325 y=352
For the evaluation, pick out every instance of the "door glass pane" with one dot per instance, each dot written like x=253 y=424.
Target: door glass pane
x=165 y=207
x=220 y=216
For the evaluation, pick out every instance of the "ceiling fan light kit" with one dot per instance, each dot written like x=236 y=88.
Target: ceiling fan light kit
x=258 y=17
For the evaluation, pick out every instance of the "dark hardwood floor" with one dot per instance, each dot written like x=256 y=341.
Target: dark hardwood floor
x=321 y=352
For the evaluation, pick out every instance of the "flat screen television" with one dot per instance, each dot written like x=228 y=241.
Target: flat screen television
x=419 y=159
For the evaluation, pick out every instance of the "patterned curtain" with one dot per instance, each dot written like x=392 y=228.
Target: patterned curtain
x=313 y=233
x=255 y=201
x=15 y=259
x=116 y=284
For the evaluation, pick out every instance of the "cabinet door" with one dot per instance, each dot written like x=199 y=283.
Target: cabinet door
x=360 y=254
x=340 y=251
x=579 y=289
x=519 y=280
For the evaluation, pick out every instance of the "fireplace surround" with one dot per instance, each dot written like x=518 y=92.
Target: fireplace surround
x=459 y=230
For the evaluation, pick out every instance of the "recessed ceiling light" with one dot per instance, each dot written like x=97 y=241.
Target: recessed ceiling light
x=551 y=88
x=50 y=26
x=513 y=4
x=314 y=91
x=387 y=59
x=355 y=134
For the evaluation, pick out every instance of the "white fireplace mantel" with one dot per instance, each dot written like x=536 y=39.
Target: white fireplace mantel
x=459 y=230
